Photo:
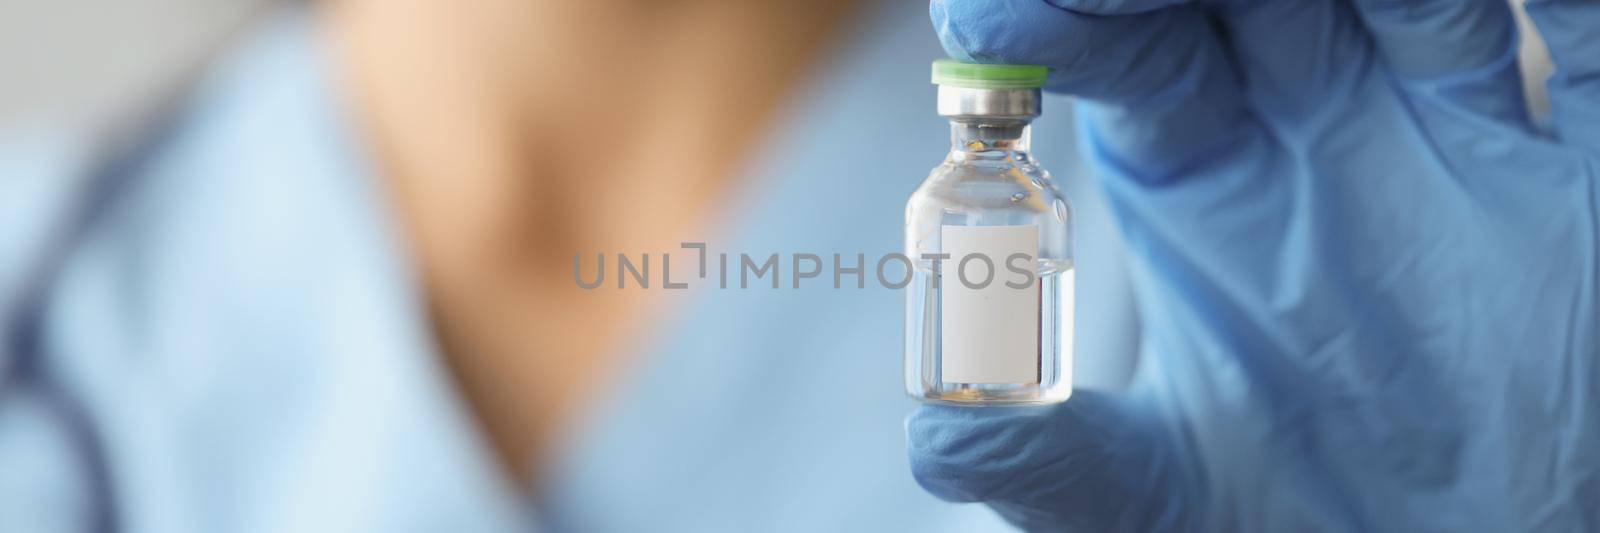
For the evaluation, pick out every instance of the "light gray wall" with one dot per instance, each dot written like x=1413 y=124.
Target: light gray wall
x=78 y=63
x=1535 y=63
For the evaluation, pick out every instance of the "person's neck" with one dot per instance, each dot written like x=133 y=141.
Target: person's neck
x=516 y=134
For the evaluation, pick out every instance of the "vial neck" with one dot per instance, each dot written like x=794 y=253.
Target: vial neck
x=988 y=138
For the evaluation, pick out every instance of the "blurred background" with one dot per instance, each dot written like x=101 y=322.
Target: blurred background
x=202 y=335
x=79 y=62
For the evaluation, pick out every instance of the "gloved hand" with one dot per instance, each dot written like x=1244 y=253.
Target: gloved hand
x=1367 y=283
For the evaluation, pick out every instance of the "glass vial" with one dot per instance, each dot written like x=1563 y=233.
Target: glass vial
x=989 y=310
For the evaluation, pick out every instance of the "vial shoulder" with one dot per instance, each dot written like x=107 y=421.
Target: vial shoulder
x=1010 y=185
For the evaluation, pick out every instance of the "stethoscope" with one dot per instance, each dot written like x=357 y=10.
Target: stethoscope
x=24 y=371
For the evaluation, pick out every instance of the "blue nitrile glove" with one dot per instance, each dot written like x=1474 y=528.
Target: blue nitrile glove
x=1367 y=283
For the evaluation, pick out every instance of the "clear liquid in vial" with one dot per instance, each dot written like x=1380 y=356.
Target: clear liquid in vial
x=1055 y=283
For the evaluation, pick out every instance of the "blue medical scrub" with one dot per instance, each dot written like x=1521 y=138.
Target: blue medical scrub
x=219 y=331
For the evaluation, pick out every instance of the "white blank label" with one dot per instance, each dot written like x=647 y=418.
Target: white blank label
x=989 y=334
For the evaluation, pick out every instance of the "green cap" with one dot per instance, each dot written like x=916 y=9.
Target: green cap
x=988 y=76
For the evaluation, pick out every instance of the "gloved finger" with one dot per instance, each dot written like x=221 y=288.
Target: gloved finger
x=1435 y=38
x=1301 y=59
x=1461 y=51
x=1159 y=84
x=1571 y=30
x=1119 y=59
x=1093 y=461
x=1114 y=7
